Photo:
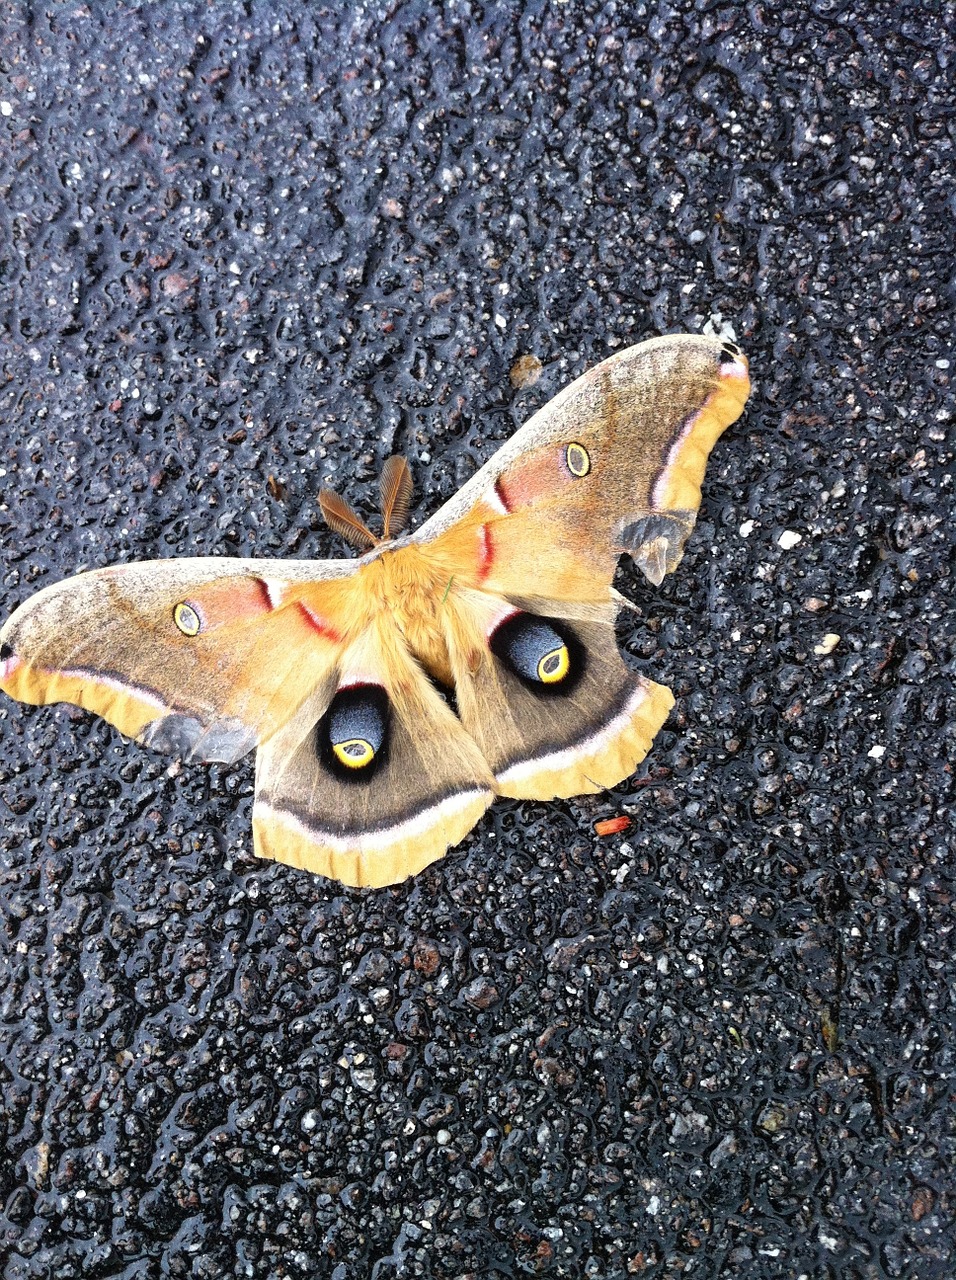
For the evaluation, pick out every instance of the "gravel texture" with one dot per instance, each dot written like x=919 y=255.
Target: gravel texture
x=249 y=248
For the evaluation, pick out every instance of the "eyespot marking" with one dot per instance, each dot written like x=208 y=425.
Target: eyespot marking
x=578 y=459
x=351 y=738
x=537 y=652
x=729 y=353
x=187 y=619
x=354 y=753
x=554 y=666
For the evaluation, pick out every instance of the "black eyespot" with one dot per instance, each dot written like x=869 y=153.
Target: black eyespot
x=545 y=655
x=6 y=651
x=729 y=353
x=352 y=736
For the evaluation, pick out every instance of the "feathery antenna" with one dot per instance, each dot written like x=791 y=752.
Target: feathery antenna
x=341 y=519
x=396 y=489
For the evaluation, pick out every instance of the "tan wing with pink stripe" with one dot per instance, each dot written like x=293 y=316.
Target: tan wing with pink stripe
x=612 y=464
x=202 y=658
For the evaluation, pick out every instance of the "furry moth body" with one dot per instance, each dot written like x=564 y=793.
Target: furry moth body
x=392 y=697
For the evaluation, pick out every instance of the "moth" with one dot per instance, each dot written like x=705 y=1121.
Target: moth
x=392 y=697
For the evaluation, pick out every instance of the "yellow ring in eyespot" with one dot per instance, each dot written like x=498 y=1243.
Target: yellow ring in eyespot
x=578 y=459
x=354 y=753
x=554 y=666
x=187 y=620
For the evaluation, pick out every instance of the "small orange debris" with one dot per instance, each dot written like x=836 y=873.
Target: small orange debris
x=611 y=826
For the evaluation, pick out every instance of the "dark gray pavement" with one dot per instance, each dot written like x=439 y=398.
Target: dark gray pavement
x=249 y=240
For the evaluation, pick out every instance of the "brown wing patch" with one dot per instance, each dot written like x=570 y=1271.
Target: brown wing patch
x=584 y=732
x=676 y=485
x=426 y=784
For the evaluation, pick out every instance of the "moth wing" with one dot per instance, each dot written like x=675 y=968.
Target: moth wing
x=201 y=657
x=612 y=464
x=583 y=728
x=374 y=777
